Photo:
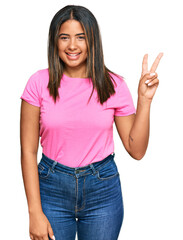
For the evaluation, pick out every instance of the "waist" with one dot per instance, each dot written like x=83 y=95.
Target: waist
x=90 y=168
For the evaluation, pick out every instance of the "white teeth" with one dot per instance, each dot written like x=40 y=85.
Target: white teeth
x=73 y=55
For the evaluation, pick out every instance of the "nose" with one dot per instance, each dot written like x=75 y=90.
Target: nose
x=72 y=44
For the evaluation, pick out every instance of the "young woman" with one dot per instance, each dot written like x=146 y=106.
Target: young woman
x=72 y=106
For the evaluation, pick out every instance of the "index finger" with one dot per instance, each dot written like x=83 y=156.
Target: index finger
x=145 y=64
x=156 y=62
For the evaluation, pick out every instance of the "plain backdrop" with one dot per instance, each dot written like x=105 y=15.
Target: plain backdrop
x=152 y=188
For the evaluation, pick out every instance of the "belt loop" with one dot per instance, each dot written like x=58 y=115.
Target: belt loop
x=53 y=166
x=93 y=169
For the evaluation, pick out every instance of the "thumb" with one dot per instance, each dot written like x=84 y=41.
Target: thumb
x=50 y=232
x=144 y=73
x=148 y=77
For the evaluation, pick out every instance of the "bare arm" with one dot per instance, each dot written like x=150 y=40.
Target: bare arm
x=134 y=129
x=29 y=140
x=39 y=226
x=139 y=134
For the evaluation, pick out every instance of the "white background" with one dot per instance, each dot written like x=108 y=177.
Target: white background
x=152 y=187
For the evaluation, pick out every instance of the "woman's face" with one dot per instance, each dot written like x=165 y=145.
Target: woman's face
x=72 y=44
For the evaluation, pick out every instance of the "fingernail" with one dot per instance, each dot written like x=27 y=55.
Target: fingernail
x=152 y=74
x=147 y=81
x=149 y=84
x=53 y=237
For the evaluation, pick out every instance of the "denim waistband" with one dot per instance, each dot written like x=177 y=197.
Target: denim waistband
x=76 y=170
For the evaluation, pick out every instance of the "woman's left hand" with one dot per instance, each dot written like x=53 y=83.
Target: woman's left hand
x=149 y=79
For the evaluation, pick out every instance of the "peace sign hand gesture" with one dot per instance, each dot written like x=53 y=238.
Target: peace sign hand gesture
x=149 y=81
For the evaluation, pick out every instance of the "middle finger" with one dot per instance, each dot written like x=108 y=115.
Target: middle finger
x=156 y=62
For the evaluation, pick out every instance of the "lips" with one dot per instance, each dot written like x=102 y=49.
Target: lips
x=72 y=54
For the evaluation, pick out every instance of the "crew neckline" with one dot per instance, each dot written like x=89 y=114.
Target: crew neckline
x=67 y=77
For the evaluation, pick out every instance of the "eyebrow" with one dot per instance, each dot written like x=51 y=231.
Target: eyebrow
x=78 y=34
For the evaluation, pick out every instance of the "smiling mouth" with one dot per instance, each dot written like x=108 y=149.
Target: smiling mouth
x=73 y=54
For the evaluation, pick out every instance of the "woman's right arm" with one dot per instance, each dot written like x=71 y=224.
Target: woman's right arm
x=29 y=141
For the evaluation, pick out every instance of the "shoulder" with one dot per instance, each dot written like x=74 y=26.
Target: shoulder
x=40 y=77
x=116 y=77
x=121 y=88
x=40 y=74
x=118 y=80
x=43 y=72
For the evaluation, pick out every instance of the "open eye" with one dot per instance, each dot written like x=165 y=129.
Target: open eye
x=64 y=38
x=81 y=37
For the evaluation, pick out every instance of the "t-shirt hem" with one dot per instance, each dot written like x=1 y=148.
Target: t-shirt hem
x=125 y=114
x=30 y=102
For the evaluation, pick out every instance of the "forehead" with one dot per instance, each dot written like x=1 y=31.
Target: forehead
x=71 y=27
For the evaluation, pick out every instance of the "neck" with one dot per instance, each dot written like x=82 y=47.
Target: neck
x=75 y=73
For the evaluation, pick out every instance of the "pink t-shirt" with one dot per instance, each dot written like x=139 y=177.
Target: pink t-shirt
x=73 y=133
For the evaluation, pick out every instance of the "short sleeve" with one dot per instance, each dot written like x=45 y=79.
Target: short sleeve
x=124 y=105
x=31 y=93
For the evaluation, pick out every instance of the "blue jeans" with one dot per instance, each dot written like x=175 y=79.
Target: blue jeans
x=84 y=200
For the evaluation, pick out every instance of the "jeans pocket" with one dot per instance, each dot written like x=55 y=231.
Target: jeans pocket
x=108 y=171
x=43 y=170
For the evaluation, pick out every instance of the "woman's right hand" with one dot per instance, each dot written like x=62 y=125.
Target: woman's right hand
x=40 y=227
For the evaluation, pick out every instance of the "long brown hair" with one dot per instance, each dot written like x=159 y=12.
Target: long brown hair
x=95 y=67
